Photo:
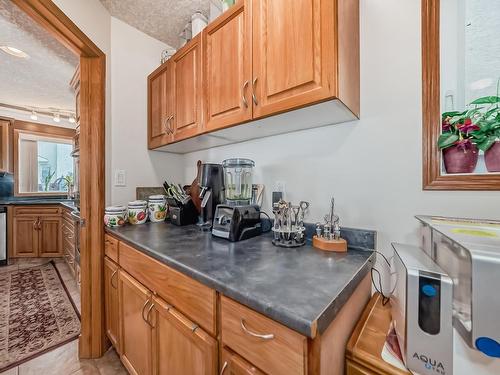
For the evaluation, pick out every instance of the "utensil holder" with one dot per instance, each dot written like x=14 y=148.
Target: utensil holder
x=295 y=237
x=182 y=214
x=338 y=246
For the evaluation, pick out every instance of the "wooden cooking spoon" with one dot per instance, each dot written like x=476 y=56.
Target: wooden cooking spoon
x=195 y=189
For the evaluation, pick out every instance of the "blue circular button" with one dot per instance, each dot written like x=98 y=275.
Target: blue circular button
x=488 y=346
x=429 y=290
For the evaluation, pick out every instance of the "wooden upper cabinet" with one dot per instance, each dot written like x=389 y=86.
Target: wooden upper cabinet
x=187 y=120
x=227 y=59
x=179 y=345
x=294 y=55
x=49 y=237
x=135 y=331
x=5 y=144
x=160 y=96
x=111 y=302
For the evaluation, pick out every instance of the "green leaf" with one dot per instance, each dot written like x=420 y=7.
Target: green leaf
x=487 y=100
x=452 y=113
x=487 y=143
x=446 y=140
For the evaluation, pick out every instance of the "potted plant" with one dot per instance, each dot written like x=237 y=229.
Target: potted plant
x=460 y=152
x=487 y=137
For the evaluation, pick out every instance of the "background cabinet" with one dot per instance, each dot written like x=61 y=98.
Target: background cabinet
x=187 y=116
x=111 y=302
x=160 y=96
x=227 y=58
x=35 y=231
x=233 y=364
x=5 y=147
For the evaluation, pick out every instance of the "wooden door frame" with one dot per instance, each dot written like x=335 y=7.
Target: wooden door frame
x=92 y=342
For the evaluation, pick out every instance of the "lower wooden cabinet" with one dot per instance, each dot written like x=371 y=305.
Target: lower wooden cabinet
x=179 y=345
x=233 y=364
x=111 y=302
x=135 y=329
x=35 y=231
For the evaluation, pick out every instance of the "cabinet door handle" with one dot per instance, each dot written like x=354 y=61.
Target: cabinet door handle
x=165 y=122
x=243 y=98
x=169 y=125
x=253 y=334
x=254 y=82
x=147 y=315
x=144 y=308
x=38 y=224
x=224 y=366
x=111 y=279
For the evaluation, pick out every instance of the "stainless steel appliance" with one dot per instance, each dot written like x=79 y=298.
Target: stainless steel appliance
x=469 y=251
x=76 y=168
x=237 y=223
x=421 y=308
x=3 y=236
x=78 y=222
x=212 y=192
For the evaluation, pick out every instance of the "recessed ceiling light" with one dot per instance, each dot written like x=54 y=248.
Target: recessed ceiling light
x=72 y=119
x=56 y=117
x=33 y=116
x=14 y=52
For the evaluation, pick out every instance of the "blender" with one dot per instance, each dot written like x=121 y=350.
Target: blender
x=237 y=219
x=238 y=181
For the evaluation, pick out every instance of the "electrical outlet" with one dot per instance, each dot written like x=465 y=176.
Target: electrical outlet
x=120 y=178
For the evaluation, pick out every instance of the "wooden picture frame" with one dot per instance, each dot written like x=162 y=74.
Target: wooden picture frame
x=433 y=179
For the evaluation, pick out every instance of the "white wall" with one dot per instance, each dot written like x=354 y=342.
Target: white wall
x=130 y=56
x=133 y=56
x=373 y=167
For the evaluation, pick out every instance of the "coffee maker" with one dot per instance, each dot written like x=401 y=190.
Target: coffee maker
x=212 y=192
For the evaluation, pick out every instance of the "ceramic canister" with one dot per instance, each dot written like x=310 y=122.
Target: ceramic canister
x=115 y=216
x=137 y=212
x=157 y=207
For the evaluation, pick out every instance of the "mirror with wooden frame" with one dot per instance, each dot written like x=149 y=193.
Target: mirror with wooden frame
x=461 y=99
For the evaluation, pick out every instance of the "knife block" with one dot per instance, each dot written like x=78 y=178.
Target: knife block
x=338 y=246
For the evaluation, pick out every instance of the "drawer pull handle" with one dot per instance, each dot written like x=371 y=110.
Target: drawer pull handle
x=224 y=366
x=143 y=309
x=254 y=82
x=253 y=334
x=147 y=315
x=244 y=99
x=111 y=279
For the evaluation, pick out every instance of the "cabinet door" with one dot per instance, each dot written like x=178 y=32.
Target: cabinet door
x=24 y=236
x=4 y=146
x=49 y=237
x=160 y=106
x=135 y=331
x=233 y=364
x=111 y=302
x=187 y=118
x=294 y=54
x=227 y=50
x=179 y=345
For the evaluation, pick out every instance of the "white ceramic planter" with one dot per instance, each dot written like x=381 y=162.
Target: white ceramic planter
x=115 y=216
x=157 y=208
x=137 y=212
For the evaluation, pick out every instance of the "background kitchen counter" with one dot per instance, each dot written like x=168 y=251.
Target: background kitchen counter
x=302 y=288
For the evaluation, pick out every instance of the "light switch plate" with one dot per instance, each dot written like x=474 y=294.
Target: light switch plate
x=120 y=177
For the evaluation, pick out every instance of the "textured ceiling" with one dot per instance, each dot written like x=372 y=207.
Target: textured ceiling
x=161 y=19
x=43 y=79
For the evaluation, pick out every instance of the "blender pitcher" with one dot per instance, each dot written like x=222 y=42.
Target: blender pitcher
x=238 y=180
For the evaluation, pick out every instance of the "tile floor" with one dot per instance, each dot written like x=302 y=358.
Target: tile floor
x=64 y=360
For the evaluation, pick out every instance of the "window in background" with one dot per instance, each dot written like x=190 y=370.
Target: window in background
x=45 y=164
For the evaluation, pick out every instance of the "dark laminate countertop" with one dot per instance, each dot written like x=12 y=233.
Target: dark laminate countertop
x=20 y=201
x=302 y=288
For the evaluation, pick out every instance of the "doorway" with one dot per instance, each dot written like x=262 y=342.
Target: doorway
x=92 y=342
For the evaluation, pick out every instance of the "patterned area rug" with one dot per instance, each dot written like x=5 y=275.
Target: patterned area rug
x=36 y=314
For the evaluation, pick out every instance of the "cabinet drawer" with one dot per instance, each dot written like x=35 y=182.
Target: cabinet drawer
x=37 y=210
x=273 y=348
x=193 y=299
x=111 y=247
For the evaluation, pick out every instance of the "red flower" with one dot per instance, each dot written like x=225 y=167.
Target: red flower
x=464 y=144
x=468 y=127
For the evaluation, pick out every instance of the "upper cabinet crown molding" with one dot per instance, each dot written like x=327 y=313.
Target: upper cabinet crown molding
x=260 y=59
